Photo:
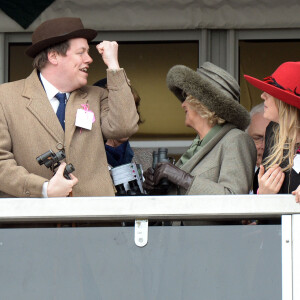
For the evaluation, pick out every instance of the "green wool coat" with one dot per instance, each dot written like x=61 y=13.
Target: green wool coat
x=225 y=165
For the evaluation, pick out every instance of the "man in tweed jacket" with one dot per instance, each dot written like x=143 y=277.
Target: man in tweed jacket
x=29 y=126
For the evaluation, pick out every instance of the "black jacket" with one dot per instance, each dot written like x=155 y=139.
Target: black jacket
x=291 y=179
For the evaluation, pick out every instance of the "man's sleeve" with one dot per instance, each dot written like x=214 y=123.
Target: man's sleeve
x=118 y=111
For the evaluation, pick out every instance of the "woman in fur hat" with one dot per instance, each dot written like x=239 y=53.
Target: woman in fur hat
x=221 y=159
x=279 y=172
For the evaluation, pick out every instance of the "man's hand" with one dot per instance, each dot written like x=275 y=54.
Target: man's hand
x=109 y=52
x=116 y=143
x=271 y=181
x=58 y=185
x=297 y=194
x=173 y=174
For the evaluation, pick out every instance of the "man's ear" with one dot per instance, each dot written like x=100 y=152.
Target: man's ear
x=52 y=57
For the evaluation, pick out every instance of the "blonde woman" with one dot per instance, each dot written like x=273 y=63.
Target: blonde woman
x=221 y=159
x=279 y=172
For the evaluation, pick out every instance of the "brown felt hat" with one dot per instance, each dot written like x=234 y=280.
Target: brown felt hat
x=56 y=31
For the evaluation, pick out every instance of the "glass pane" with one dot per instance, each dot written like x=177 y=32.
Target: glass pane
x=146 y=65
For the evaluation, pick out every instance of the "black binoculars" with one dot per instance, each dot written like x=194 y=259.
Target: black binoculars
x=161 y=156
x=134 y=189
x=52 y=161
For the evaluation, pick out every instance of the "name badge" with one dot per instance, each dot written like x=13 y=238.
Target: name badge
x=84 y=119
x=296 y=165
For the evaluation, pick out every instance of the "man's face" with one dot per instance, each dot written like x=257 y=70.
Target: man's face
x=74 y=66
x=257 y=130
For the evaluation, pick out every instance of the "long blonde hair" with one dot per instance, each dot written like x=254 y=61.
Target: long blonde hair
x=204 y=112
x=285 y=136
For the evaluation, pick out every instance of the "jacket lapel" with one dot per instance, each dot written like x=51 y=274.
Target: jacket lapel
x=77 y=98
x=40 y=107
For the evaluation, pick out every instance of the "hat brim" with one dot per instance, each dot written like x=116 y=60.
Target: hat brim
x=36 y=48
x=183 y=81
x=274 y=91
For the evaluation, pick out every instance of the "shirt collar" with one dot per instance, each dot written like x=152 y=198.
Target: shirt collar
x=50 y=89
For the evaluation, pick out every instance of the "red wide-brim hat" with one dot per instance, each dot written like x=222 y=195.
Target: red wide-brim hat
x=283 y=84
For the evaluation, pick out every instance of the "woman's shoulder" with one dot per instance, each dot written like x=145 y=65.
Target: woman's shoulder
x=236 y=133
x=238 y=140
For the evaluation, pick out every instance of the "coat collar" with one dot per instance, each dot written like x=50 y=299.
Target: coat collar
x=194 y=161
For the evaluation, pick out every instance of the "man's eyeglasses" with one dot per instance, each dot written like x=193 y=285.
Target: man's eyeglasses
x=258 y=139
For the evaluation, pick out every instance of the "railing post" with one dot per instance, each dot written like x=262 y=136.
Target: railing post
x=296 y=255
x=287 y=259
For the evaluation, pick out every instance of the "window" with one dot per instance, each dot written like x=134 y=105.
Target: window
x=146 y=65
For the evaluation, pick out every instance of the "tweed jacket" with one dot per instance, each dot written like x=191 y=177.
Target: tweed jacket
x=225 y=165
x=29 y=128
x=143 y=156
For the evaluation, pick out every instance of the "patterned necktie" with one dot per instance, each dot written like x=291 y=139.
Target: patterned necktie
x=61 y=97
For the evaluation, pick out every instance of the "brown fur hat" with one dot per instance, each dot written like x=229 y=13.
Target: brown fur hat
x=213 y=87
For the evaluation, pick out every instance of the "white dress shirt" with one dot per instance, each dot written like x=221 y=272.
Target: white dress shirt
x=51 y=91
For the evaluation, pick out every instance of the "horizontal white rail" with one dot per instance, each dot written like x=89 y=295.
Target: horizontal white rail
x=147 y=207
x=173 y=146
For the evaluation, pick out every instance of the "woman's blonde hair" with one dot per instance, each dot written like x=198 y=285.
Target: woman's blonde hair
x=285 y=136
x=204 y=112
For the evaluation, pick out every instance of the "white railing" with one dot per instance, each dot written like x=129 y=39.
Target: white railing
x=212 y=207
x=147 y=207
